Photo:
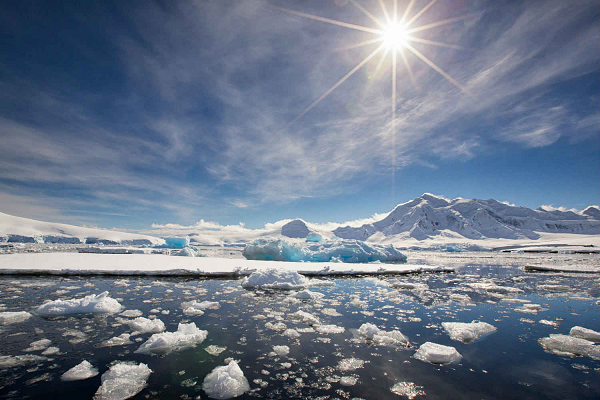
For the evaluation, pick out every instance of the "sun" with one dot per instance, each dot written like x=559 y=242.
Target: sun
x=395 y=36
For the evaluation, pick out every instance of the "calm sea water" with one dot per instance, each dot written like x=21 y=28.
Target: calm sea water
x=508 y=363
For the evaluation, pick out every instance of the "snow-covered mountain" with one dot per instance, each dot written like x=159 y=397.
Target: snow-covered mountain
x=428 y=216
x=25 y=230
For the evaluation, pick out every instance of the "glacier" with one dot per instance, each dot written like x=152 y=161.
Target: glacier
x=348 y=251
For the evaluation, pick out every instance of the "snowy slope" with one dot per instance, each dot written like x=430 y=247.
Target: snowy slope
x=17 y=229
x=429 y=216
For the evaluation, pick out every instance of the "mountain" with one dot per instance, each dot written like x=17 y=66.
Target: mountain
x=25 y=230
x=429 y=216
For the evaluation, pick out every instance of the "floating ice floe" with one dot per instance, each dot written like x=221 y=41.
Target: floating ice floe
x=348 y=380
x=349 y=251
x=529 y=308
x=145 y=325
x=122 y=381
x=291 y=333
x=585 y=333
x=327 y=329
x=467 y=332
x=12 y=317
x=305 y=317
x=407 y=389
x=50 y=351
x=492 y=287
x=225 y=382
x=275 y=278
x=280 y=351
x=131 y=313
x=81 y=371
x=187 y=335
x=97 y=304
x=569 y=346
x=39 y=345
x=555 y=288
x=437 y=354
x=382 y=338
x=214 y=350
x=17 y=361
x=120 y=340
x=308 y=295
x=350 y=364
x=576 y=268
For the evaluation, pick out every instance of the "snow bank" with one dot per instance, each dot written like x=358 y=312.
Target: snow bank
x=565 y=345
x=97 y=304
x=187 y=335
x=275 y=278
x=585 y=333
x=122 y=381
x=225 y=382
x=349 y=251
x=437 y=354
x=81 y=371
x=467 y=332
x=12 y=317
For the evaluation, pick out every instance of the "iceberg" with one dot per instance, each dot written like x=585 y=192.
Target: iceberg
x=122 y=381
x=467 y=332
x=175 y=242
x=275 y=278
x=225 y=382
x=81 y=371
x=348 y=251
x=95 y=304
x=187 y=335
x=437 y=354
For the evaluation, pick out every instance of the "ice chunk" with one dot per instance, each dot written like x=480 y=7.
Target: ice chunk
x=467 y=332
x=176 y=242
x=326 y=329
x=17 y=361
x=281 y=351
x=81 y=371
x=145 y=325
x=120 y=340
x=225 y=382
x=350 y=364
x=291 y=333
x=348 y=380
x=214 y=350
x=368 y=330
x=11 y=317
x=39 y=345
x=185 y=252
x=187 y=335
x=275 y=278
x=391 y=338
x=308 y=295
x=305 y=317
x=132 y=313
x=585 y=333
x=350 y=251
x=50 y=351
x=407 y=389
x=122 y=381
x=565 y=345
x=437 y=354
x=202 y=305
x=100 y=303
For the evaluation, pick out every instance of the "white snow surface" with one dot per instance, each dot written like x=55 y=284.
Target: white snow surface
x=225 y=382
x=348 y=251
x=12 y=317
x=437 y=354
x=160 y=265
x=81 y=371
x=467 y=332
x=96 y=304
x=25 y=229
x=187 y=335
x=122 y=381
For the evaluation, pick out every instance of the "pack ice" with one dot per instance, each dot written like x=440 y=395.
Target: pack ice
x=275 y=278
x=187 y=335
x=349 y=251
x=122 y=381
x=467 y=332
x=96 y=304
x=225 y=382
x=437 y=354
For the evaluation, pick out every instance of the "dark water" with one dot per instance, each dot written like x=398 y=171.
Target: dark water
x=508 y=363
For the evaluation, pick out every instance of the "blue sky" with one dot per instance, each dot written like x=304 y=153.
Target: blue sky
x=124 y=114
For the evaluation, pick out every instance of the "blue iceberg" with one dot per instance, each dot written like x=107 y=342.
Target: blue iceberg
x=175 y=242
x=348 y=251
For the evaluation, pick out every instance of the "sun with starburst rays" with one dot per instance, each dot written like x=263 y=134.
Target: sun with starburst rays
x=394 y=35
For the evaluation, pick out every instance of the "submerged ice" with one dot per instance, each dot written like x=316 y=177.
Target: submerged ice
x=349 y=251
